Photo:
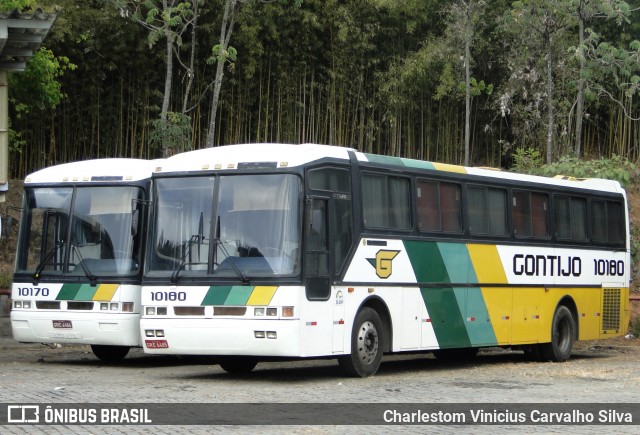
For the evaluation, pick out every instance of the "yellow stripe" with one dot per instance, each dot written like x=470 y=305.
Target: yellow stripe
x=488 y=268
x=487 y=264
x=105 y=292
x=262 y=295
x=450 y=168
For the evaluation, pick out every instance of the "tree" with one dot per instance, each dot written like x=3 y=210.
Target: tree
x=221 y=53
x=166 y=19
x=464 y=15
x=544 y=21
x=586 y=11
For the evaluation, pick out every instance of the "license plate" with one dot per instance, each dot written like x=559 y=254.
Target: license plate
x=62 y=324
x=156 y=344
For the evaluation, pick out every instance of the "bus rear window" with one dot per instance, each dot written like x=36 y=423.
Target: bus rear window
x=607 y=224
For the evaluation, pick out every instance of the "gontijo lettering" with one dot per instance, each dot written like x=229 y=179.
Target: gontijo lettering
x=546 y=265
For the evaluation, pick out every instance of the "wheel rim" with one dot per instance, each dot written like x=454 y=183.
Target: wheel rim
x=367 y=343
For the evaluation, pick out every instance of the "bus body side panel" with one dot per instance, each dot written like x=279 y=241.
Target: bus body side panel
x=475 y=295
x=75 y=313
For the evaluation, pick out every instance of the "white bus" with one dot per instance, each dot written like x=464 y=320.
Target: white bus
x=79 y=257
x=306 y=251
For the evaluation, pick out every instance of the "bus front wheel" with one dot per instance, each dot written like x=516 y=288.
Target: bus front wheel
x=563 y=335
x=110 y=353
x=366 y=345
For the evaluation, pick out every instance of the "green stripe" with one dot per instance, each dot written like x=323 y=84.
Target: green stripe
x=459 y=316
x=86 y=292
x=216 y=295
x=427 y=262
x=480 y=331
x=68 y=292
x=239 y=295
x=442 y=303
x=457 y=262
x=410 y=163
x=399 y=161
x=447 y=321
x=387 y=160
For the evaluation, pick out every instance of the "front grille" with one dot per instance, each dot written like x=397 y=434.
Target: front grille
x=611 y=309
x=48 y=305
x=84 y=306
x=188 y=311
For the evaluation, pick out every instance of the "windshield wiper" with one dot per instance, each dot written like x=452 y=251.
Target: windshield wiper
x=234 y=266
x=92 y=278
x=45 y=260
x=196 y=238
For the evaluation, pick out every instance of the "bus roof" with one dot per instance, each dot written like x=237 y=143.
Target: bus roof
x=277 y=155
x=97 y=170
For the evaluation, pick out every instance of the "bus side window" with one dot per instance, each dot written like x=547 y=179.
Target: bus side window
x=317 y=250
x=487 y=211
x=570 y=218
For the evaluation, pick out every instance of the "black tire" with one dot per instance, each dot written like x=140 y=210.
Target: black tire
x=238 y=364
x=367 y=344
x=110 y=353
x=563 y=335
x=458 y=354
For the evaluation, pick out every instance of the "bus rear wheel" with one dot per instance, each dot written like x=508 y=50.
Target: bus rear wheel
x=563 y=335
x=238 y=364
x=110 y=353
x=366 y=345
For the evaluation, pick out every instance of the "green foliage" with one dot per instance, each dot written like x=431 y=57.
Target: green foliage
x=527 y=161
x=16 y=140
x=230 y=54
x=22 y=5
x=173 y=135
x=39 y=86
x=477 y=87
x=615 y=168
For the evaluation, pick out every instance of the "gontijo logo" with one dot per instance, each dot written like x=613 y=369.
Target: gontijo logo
x=383 y=262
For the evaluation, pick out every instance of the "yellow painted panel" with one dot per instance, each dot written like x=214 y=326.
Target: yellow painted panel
x=450 y=168
x=499 y=306
x=262 y=295
x=487 y=264
x=533 y=310
x=105 y=292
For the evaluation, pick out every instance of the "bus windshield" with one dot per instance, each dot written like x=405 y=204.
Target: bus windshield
x=86 y=231
x=238 y=226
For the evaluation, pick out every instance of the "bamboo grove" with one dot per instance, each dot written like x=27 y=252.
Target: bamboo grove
x=384 y=76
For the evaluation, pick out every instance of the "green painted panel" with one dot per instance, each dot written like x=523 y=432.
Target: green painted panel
x=427 y=262
x=239 y=295
x=418 y=164
x=68 y=292
x=457 y=262
x=480 y=330
x=216 y=295
x=387 y=160
x=446 y=317
x=86 y=292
